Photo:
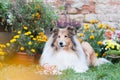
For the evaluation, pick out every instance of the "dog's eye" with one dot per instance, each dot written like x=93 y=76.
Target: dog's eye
x=65 y=36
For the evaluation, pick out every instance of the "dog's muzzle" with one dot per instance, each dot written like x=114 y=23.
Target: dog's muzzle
x=61 y=43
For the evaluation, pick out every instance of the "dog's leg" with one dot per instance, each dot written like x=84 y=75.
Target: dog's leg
x=91 y=56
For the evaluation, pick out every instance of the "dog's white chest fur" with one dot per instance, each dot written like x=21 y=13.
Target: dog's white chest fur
x=64 y=59
x=67 y=59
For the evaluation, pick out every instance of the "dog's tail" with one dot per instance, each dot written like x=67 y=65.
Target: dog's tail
x=99 y=61
x=91 y=56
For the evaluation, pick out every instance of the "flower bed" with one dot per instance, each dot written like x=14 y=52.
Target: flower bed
x=94 y=33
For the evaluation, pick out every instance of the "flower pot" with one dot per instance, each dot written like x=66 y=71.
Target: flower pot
x=114 y=58
x=22 y=58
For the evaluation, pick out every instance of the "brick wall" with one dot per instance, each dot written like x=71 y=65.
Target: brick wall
x=107 y=11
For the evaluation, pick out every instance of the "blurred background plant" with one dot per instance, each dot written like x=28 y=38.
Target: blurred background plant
x=94 y=33
x=6 y=17
x=29 y=24
x=36 y=15
x=117 y=37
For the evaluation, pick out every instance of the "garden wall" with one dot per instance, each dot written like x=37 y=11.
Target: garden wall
x=107 y=11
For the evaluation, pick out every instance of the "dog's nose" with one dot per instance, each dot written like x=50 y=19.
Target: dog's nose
x=61 y=44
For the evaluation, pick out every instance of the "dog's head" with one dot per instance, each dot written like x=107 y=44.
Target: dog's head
x=63 y=38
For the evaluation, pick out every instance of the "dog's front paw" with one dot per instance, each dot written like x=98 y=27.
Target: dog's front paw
x=80 y=69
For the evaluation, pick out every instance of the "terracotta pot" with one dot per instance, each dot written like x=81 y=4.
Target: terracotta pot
x=24 y=58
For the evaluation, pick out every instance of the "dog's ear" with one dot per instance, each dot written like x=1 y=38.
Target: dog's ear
x=71 y=30
x=55 y=32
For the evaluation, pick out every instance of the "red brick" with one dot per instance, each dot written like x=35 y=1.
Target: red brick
x=92 y=7
x=114 y=2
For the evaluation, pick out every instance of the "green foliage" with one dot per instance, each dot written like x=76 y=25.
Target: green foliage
x=3 y=8
x=94 y=33
x=6 y=17
x=116 y=52
x=103 y=72
x=36 y=15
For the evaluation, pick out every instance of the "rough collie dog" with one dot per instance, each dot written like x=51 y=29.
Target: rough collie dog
x=64 y=50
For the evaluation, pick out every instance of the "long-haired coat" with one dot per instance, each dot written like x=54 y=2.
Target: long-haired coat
x=64 y=50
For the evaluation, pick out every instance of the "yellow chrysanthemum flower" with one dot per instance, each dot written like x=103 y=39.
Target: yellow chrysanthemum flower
x=31 y=36
x=3 y=46
x=33 y=50
x=13 y=40
x=86 y=26
x=107 y=47
x=19 y=32
x=42 y=40
x=22 y=48
x=7 y=44
x=112 y=46
x=81 y=34
x=26 y=34
x=96 y=54
x=2 y=53
x=92 y=37
x=45 y=37
x=25 y=27
x=113 y=29
x=101 y=25
x=38 y=15
x=34 y=39
x=16 y=36
x=29 y=32
x=94 y=21
x=37 y=37
x=41 y=33
x=99 y=42
x=29 y=43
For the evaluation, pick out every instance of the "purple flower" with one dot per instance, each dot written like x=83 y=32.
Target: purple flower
x=63 y=23
x=118 y=34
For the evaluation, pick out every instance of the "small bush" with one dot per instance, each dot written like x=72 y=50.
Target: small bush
x=94 y=34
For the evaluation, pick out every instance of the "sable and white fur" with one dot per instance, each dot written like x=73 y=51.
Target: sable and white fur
x=64 y=50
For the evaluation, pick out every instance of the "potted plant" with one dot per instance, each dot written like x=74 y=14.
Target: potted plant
x=31 y=20
x=111 y=50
